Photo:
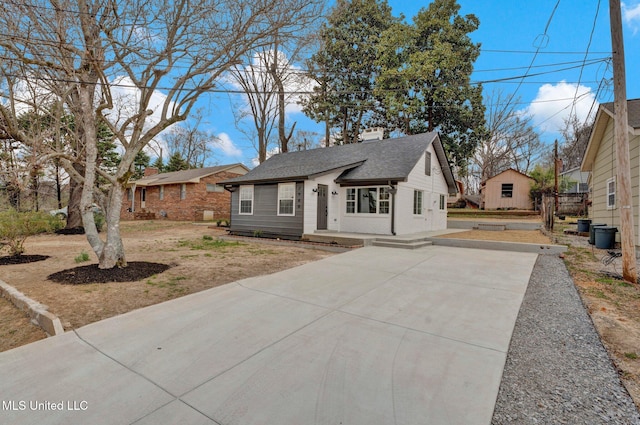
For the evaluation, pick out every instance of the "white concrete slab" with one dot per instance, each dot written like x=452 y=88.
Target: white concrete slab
x=344 y=369
x=476 y=267
x=327 y=283
x=373 y=336
x=185 y=342
x=177 y=413
x=64 y=372
x=471 y=314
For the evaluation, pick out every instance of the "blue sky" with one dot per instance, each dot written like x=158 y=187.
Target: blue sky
x=510 y=34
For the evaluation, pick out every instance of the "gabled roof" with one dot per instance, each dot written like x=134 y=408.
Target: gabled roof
x=376 y=161
x=502 y=172
x=185 y=176
x=606 y=112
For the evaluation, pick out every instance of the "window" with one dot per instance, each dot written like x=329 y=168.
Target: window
x=161 y=195
x=246 y=200
x=368 y=200
x=427 y=163
x=417 y=202
x=212 y=187
x=286 y=198
x=183 y=191
x=611 y=193
x=351 y=201
x=442 y=204
x=383 y=205
x=507 y=190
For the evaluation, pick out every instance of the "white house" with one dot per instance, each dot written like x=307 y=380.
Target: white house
x=386 y=187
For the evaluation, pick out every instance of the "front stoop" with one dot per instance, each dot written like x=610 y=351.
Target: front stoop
x=412 y=243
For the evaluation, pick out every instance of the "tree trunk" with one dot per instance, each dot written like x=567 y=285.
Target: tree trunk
x=74 y=217
x=113 y=251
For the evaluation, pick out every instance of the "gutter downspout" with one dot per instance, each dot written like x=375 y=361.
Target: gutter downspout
x=393 y=191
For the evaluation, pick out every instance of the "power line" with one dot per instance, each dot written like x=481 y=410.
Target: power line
x=593 y=27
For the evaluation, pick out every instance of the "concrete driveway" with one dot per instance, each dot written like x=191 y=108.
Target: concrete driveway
x=373 y=336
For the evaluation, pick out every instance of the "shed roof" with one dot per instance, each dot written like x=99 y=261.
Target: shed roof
x=384 y=160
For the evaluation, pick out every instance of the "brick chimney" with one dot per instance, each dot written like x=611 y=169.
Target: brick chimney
x=150 y=171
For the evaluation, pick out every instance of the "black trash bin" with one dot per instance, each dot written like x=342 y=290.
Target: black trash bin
x=605 y=237
x=592 y=233
x=583 y=224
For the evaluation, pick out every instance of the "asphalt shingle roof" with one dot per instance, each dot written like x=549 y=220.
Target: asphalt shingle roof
x=185 y=176
x=389 y=159
x=633 y=111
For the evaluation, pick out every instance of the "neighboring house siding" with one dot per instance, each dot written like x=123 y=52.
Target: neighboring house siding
x=197 y=205
x=265 y=219
x=604 y=168
x=492 y=191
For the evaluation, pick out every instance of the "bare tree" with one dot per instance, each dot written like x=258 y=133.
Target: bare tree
x=271 y=82
x=511 y=142
x=86 y=51
x=191 y=143
x=575 y=137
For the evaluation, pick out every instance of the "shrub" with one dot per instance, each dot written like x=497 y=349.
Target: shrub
x=16 y=227
x=84 y=256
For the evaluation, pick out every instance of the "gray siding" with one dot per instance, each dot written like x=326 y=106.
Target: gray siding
x=265 y=219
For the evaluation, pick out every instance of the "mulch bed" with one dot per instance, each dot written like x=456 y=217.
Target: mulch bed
x=135 y=270
x=21 y=259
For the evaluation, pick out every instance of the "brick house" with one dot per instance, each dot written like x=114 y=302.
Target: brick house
x=181 y=195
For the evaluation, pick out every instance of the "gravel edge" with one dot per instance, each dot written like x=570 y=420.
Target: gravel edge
x=557 y=370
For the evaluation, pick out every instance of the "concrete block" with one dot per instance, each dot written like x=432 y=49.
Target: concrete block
x=37 y=312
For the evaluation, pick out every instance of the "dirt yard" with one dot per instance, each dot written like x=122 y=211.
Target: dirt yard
x=197 y=264
x=522 y=236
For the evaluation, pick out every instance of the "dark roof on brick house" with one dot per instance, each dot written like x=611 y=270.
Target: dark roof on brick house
x=185 y=176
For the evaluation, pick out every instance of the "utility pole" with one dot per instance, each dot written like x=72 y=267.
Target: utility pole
x=621 y=136
x=556 y=165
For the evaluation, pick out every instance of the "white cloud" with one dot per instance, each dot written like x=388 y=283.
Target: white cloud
x=226 y=145
x=126 y=101
x=552 y=105
x=631 y=16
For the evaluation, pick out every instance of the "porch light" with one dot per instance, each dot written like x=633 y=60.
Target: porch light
x=334 y=193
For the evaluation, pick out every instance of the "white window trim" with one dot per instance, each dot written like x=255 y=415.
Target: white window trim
x=421 y=213
x=378 y=200
x=293 y=208
x=611 y=180
x=240 y=200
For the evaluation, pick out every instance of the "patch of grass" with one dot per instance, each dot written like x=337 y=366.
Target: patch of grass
x=607 y=280
x=598 y=293
x=207 y=243
x=631 y=356
x=84 y=256
x=172 y=282
x=208 y=254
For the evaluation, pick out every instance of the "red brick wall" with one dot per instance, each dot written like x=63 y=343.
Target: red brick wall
x=192 y=208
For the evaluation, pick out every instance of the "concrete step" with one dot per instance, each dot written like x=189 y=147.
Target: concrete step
x=492 y=226
x=390 y=243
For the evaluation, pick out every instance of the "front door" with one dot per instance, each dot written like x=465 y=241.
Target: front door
x=143 y=198
x=323 y=211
